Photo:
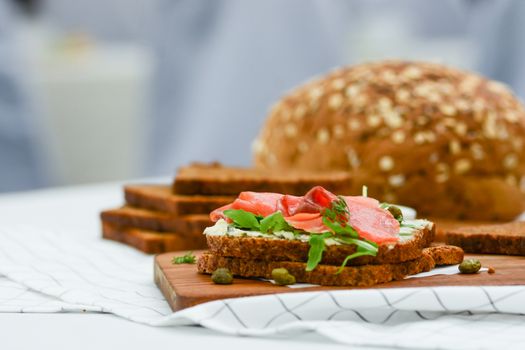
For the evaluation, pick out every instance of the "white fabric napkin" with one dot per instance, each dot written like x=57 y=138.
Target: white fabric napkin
x=47 y=271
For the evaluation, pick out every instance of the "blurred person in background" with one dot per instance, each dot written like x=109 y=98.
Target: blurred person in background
x=21 y=161
x=219 y=65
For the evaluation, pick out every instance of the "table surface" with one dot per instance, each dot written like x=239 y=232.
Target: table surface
x=76 y=209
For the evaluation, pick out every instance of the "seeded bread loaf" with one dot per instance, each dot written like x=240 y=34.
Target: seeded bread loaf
x=156 y=221
x=151 y=242
x=447 y=142
x=161 y=198
x=257 y=248
x=215 y=179
x=508 y=239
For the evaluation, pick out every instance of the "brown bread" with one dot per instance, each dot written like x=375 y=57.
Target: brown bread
x=156 y=221
x=215 y=179
x=508 y=239
x=447 y=142
x=358 y=276
x=151 y=242
x=257 y=248
x=446 y=254
x=161 y=198
x=445 y=225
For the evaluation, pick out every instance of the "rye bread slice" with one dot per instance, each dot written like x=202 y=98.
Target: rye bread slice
x=507 y=239
x=445 y=225
x=161 y=198
x=446 y=254
x=267 y=249
x=358 y=276
x=155 y=220
x=215 y=179
x=151 y=242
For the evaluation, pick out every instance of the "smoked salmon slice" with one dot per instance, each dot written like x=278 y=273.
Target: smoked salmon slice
x=306 y=213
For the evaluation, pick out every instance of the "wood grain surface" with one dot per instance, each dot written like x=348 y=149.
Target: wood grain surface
x=184 y=287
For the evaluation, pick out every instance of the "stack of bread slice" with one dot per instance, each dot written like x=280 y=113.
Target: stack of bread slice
x=247 y=256
x=162 y=218
x=156 y=220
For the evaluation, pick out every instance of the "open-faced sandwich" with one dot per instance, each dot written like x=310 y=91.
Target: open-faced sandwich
x=321 y=238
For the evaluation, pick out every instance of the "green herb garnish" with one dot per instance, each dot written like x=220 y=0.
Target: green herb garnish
x=274 y=223
x=336 y=219
x=188 y=258
x=317 y=247
x=243 y=219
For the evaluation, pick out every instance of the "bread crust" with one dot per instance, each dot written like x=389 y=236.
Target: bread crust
x=258 y=248
x=215 y=179
x=156 y=221
x=356 y=276
x=151 y=242
x=446 y=254
x=507 y=239
x=161 y=198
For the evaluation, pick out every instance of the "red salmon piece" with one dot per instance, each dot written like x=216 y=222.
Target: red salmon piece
x=309 y=222
x=219 y=213
x=366 y=201
x=373 y=223
x=305 y=213
x=289 y=204
x=315 y=201
x=262 y=204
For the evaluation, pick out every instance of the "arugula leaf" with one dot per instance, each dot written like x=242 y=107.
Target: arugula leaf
x=350 y=257
x=339 y=229
x=275 y=222
x=243 y=219
x=363 y=248
x=368 y=246
x=188 y=258
x=317 y=247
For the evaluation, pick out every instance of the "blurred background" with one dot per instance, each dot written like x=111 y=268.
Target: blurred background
x=101 y=90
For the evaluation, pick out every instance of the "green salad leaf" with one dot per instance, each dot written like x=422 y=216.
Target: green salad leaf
x=317 y=247
x=336 y=218
x=275 y=222
x=243 y=219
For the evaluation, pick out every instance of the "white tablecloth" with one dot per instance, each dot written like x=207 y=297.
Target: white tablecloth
x=52 y=261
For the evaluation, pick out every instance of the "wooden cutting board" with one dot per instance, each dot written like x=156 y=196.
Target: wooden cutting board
x=184 y=287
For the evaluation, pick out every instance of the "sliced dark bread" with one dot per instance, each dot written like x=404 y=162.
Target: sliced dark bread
x=156 y=221
x=151 y=242
x=268 y=249
x=445 y=225
x=446 y=254
x=161 y=198
x=214 y=179
x=358 y=276
x=508 y=239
